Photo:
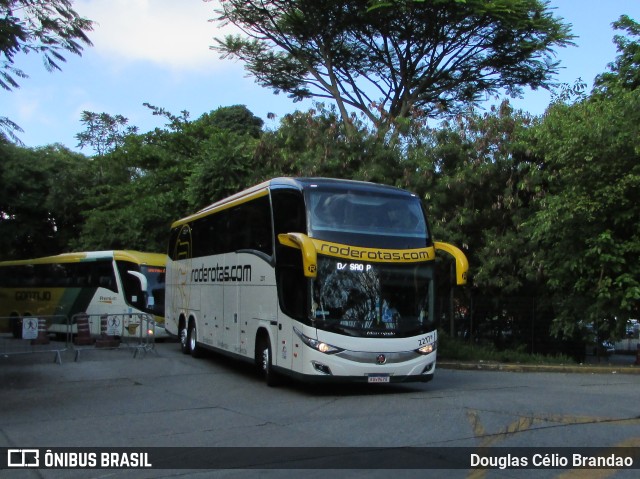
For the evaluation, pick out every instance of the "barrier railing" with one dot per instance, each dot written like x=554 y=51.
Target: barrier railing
x=113 y=331
x=81 y=332
x=35 y=334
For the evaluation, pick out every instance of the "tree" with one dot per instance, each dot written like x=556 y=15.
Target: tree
x=224 y=165
x=430 y=58
x=104 y=132
x=474 y=173
x=45 y=27
x=625 y=70
x=152 y=179
x=316 y=143
x=236 y=119
x=39 y=202
x=588 y=224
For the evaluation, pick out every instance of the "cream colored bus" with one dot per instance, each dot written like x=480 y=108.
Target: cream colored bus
x=318 y=279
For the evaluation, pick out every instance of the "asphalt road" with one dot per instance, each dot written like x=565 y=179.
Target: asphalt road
x=109 y=399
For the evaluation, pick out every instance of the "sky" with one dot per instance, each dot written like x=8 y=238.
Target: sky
x=158 y=52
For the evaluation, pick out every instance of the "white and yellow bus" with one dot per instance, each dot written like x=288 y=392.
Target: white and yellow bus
x=318 y=279
x=95 y=283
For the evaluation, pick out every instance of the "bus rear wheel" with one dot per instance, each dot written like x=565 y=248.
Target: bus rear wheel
x=184 y=340
x=16 y=326
x=192 y=340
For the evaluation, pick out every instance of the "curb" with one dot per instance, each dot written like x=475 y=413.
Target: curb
x=538 y=368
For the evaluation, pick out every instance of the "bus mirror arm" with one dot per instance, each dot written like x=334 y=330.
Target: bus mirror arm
x=309 y=254
x=462 y=264
x=141 y=277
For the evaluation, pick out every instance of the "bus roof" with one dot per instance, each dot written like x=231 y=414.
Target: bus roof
x=155 y=259
x=301 y=184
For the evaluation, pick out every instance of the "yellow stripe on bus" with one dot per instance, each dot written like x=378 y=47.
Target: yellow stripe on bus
x=221 y=206
x=356 y=253
x=374 y=254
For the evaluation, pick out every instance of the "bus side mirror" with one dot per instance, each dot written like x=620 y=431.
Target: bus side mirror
x=141 y=278
x=462 y=264
x=143 y=283
x=305 y=244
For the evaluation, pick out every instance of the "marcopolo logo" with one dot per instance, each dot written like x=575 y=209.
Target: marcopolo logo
x=221 y=274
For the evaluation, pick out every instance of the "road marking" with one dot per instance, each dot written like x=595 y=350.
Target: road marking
x=524 y=423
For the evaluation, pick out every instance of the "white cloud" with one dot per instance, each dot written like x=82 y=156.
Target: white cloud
x=171 y=33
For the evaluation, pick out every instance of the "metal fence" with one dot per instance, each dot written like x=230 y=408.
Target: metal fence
x=136 y=331
x=34 y=334
x=81 y=332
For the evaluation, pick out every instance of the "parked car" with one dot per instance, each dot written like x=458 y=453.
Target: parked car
x=595 y=346
x=632 y=329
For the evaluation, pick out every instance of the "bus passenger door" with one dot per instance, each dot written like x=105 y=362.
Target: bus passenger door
x=212 y=314
x=258 y=308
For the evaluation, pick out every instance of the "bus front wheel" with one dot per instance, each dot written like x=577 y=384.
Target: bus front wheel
x=265 y=363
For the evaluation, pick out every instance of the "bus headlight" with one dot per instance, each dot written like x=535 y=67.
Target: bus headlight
x=428 y=348
x=317 y=345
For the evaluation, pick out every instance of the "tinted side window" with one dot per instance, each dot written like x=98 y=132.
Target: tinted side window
x=249 y=226
x=289 y=217
x=288 y=212
x=246 y=226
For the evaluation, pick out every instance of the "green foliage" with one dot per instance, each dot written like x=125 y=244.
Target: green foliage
x=135 y=192
x=149 y=181
x=35 y=26
x=47 y=28
x=588 y=224
x=625 y=70
x=236 y=119
x=141 y=223
x=38 y=199
x=224 y=165
x=475 y=176
x=103 y=132
x=316 y=143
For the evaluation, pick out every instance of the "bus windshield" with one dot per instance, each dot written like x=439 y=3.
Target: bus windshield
x=155 y=288
x=150 y=301
x=358 y=217
x=373 y=300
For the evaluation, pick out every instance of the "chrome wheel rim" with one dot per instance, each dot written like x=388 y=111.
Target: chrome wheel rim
x=265 y=359
x=192 y=339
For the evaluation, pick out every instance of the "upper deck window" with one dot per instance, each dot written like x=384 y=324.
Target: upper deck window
x=370 y=218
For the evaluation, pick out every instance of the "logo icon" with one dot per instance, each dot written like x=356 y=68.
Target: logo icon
x=23 y=458
x=381 y=359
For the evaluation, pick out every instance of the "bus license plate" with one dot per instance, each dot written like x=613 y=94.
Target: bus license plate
x=378 y=378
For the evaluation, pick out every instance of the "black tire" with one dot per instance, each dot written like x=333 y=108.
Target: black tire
x=192 y=340
x=16 y=326
x=183 y=333
x=265 y=363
